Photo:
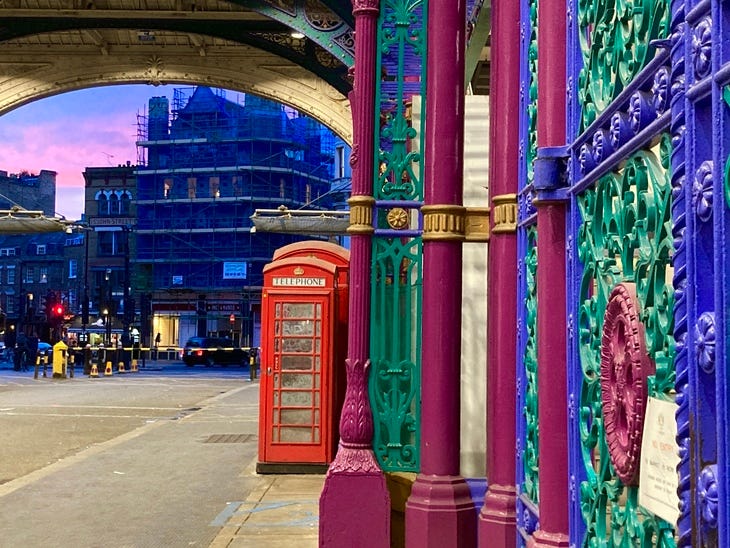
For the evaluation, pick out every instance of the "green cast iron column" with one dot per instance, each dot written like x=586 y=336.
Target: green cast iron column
x=355 y=506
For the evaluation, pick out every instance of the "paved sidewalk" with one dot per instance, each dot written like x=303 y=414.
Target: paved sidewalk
x=135 y=488
x=281 y=511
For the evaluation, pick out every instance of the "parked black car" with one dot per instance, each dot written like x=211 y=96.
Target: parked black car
x=212 y=350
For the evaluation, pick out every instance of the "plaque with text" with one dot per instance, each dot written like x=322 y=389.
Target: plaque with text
x=658 y=479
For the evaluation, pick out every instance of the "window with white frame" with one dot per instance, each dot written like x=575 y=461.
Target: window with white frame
x=7 y=251
x=28 y=274
x=40 y=249
x=11 y=275
x=73 y=268
x=43 y=274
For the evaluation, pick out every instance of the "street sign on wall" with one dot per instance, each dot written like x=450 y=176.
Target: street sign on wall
x=234 y=271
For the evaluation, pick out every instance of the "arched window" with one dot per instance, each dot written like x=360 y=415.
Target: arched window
x=102 y=204
x=124 y=201
x=113 y=204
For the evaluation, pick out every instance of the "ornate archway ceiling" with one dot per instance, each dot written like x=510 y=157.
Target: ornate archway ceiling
x=55 y=46
x=325 y=51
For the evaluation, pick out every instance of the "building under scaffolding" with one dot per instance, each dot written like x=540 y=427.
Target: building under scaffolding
x=205 y=165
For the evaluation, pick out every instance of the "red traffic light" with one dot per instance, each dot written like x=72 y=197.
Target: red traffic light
x=58 y=310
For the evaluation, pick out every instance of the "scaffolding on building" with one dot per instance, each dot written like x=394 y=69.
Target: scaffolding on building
x=205 y=166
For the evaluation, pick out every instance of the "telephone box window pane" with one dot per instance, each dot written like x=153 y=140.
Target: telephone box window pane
x=297 y=345
x=316 y=435
x=316 y=381
x=277 y=328
x=275 y=433
x=276 y=398
x=276 y=380
x=298 y=327
x=319 y=310
x=318 y=343
x=276 y=345
x=297 y=362
x=295 y=398
x=316 y=416
x=298 y=310
x=297 y=380
x=316 y=399
x=277 y=310
x=319 y=328
x=317 y=363
x=296 y=416
x=293 y=434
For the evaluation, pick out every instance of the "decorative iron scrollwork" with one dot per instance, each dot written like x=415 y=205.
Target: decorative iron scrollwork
x=702 y=48
x=705 y=342
x=702 y=192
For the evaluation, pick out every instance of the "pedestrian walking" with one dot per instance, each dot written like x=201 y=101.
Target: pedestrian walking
x=158 y=339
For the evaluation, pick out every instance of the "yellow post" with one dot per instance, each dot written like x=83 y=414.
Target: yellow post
x=59 y=360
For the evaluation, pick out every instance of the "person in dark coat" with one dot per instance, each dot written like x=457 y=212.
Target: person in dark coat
x=21 y=352
x=32 y=352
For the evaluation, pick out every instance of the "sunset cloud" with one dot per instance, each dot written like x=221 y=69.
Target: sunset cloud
x=70 y=132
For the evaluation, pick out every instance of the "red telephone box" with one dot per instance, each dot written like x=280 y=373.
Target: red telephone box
x=303 y=349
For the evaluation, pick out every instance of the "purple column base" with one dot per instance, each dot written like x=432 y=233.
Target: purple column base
x=354 y=510
x=498 y=519
x=440 y=512
x=541 y=538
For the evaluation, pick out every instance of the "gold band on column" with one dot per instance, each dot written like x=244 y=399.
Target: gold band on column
x=477 y=224
x=504 y=209
x=443 y=222
x=361 y=215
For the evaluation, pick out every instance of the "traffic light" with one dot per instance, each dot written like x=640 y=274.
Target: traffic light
x=49 y=304
x=58 y=311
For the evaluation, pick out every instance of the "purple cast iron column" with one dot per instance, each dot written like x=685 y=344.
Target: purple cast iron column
x=497 y=520
x=551 y=293
x=440 y=511
x=354 y=506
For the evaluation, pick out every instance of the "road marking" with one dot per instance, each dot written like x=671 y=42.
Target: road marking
x=222 y=518
x=289 y=518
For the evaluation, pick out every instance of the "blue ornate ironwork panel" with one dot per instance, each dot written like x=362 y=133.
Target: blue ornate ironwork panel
x=395 y=349
x=620 y=249
x=528 y=477
x=721 y=158
x=700 y=56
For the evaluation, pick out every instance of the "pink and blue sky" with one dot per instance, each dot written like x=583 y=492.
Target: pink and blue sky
x=69 y=132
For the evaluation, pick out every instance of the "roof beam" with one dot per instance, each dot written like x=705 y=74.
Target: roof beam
x=122 y=14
